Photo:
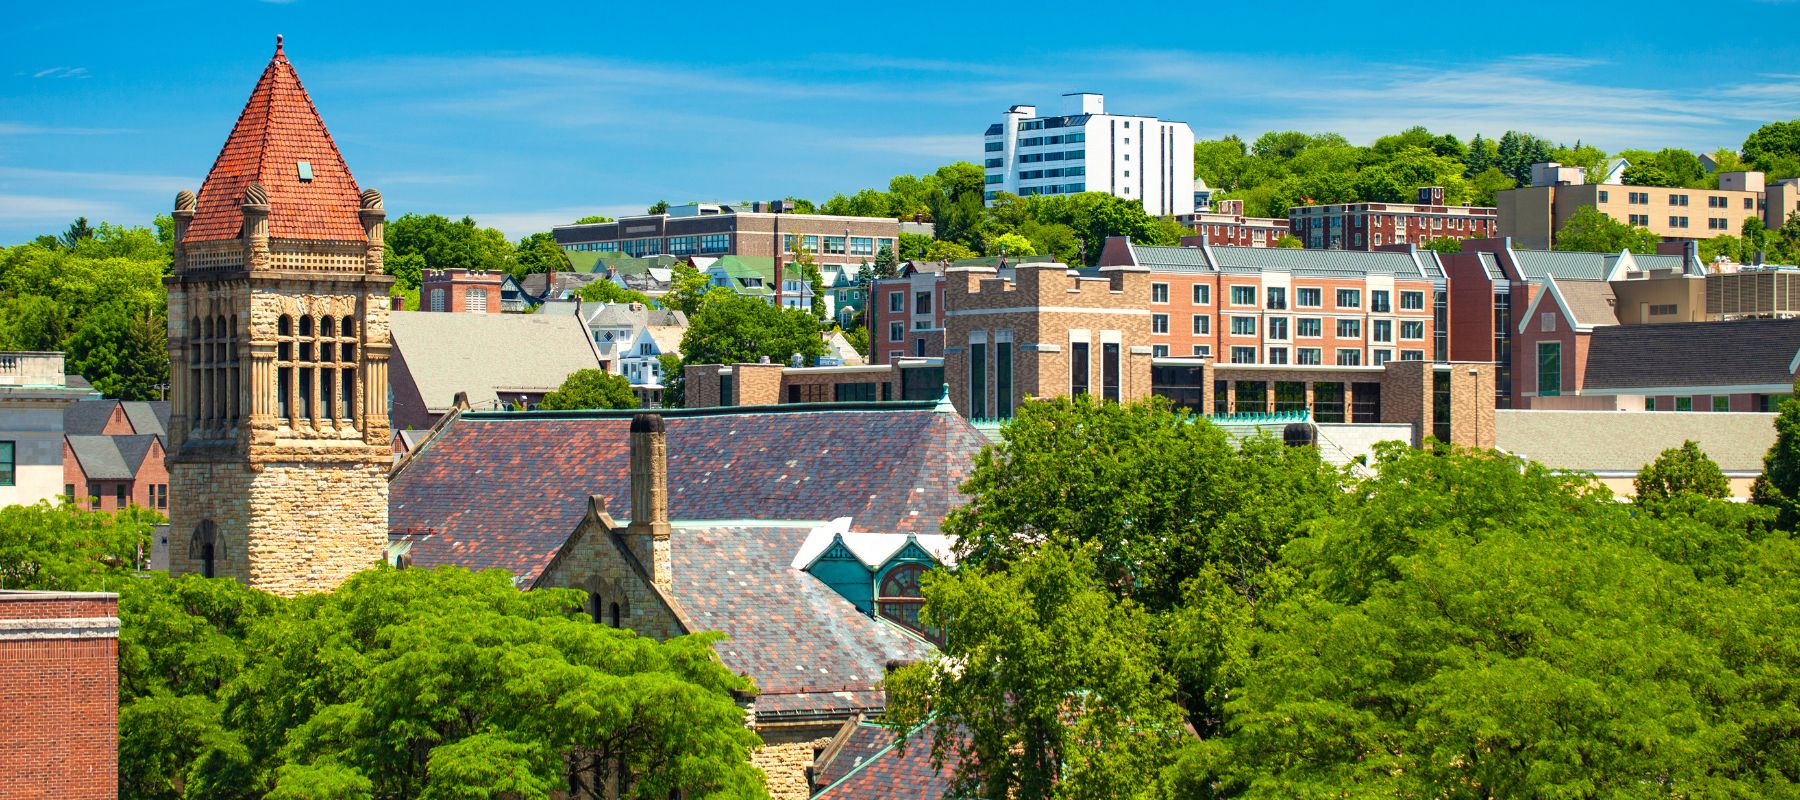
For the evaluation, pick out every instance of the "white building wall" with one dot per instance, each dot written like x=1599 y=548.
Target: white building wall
x=36 y=431
x=1135 y=157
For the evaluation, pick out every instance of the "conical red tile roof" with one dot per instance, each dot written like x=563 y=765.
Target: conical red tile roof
x=278 y=130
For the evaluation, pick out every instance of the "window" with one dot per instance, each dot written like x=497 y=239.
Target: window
x=1159 y=351
x=854 y=392
x=1678 y=222
x=1349 y=329
x=1349 y=358
x=1310 y=328
x=159 y=495
x=1159 y=323
x=834 y=245
x=1412 y=301
x=1277 y=329
x=1602 y=192
x=1549 y=369
x=1159 y=293
x=1379 y=357
x=1277 y=298
x=1328 y=402
x=1637 y=198
x=119 y=498
x=9 y=464
x=94 y=496
x=862 y=246
x=437 y=299
x=921 y=302
x=475 y=300
x=1721 y=404
x=1243 y=355
x=1243 y=326
x=1202 y=325
x=1684 y=404
x=715 y=243
x=1308 y=298
x=897 y=302
x=1380 y=301
x=1250 y=397
x=1642 y=220
x=1109 y=371
x=1310 y=356
x=1202 y=294
x=682 y=245
x=977 y=380
x=1365 y=402
x=1349 y=298
x=1003 y=380
x=1412 y=329
x=1243 y=295
x=1278 y=355
x=1678 y=200
x=896 y=330
x=1203 y=351
x=1382 y=330
x=1412 y=355
x=1078 y=368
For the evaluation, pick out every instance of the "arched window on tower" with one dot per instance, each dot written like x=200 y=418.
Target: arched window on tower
x=327 y=368
x=205 y=549
x=307 y=366
x=284 y=368
x=221 y=352
x=196 y=357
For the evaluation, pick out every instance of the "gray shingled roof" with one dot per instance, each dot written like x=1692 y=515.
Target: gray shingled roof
x=1537 y=264
x=110 y=458
x=87 y=417
x=1692 y=354
x=1659 y=262
x=148 y=416
x=1624 y=441
x=448 y=353
x=1592 y=302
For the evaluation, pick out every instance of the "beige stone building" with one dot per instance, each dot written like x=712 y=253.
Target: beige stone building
x=278 y=348
x=1532 y=216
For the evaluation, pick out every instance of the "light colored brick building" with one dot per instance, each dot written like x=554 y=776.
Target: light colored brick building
x=278 y=348
x=1532 y=216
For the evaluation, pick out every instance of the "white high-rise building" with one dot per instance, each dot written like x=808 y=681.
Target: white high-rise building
x=1088 y=150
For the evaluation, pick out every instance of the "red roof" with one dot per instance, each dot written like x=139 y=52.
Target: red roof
x=278 y=130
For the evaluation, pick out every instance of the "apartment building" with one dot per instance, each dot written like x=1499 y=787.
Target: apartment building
x=1278 y=306
x=751 y=230
x=1227 y=225
x=460 y=290
x=1532 y=216
x=1086 y=149
x=1367 y=226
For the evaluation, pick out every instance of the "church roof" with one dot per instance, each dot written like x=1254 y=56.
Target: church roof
x=506 y=489
x=281 y=144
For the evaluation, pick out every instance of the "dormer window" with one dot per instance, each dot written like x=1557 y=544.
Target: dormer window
x=305 y=171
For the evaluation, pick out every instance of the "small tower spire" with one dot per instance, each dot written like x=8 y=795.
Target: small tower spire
x=278 y=45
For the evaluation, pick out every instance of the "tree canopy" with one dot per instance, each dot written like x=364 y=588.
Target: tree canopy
x=591 y=388
x=1590 y=230
x=729 y=328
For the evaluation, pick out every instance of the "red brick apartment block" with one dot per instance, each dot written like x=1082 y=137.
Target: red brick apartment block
x=59 y=695
x=460 y=291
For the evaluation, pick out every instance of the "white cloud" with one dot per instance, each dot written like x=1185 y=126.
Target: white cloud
x=26 y=209
x=105 y=181
x=62 y=72
x=951 y=146
x=517 y=224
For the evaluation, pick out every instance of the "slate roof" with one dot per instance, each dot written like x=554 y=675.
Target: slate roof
x=111 y=458
x=279 y=128
x=448 y=353
x=892 y=774
x=889 y=466
x=809 y=650
x=861 y=742
x=1624 y=441
x=537 y=284
x=1325 y=263
x=1692 y=354
x=88 y=417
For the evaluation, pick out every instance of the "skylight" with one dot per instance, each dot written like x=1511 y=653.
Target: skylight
x=306 y=170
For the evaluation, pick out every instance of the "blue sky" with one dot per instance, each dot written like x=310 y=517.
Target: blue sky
x=525 y=115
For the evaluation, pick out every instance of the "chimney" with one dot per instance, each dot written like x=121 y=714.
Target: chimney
x=397 y=303
x=648 y=534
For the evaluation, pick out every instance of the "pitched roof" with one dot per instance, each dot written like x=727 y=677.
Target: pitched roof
x=279 y=129
x=1326 y=263
x=1624 y=441
x=148 y=416
x=854 y=745
x=895 y=774
x=111 y=458
x=87 y=417
x=809 y=649
x=889 y=466
x=1589 y=303
x=448 y=353
x=1750 y=352
x=1538 y=264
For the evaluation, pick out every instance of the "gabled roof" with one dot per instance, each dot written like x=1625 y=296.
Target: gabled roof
x=1539 y=264
x=854 y=744
x=872 y=549
x=809 y=649
x=889 y=466
x=1752 y=352
x=88 y=417
x=448 y=352
x=894 y=774
x=148 y=416
x=111 y=458
x=1585 y=304
x=277 y=131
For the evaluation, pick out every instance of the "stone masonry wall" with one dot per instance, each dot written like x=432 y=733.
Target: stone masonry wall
x=315 y=521
x=594 y=564
x=784 y=767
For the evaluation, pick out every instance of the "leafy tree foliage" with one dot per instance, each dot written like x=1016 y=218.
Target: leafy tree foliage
x=1679 y=471
x=593 y=219
x=1289 y=241
x=687 y=287
x=1592 y=231
x=415 y=684
x=729 y=328
x=1775 y=149
x=1443 y=244
x=538 y=253
x=591 y=388
x=658 y=207
x=1779 y=485
x=62 y=548
x=674 y=394
x=602 y=290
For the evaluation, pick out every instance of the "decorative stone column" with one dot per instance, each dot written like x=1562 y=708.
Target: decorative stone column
x=256 y=229
x=374 y=231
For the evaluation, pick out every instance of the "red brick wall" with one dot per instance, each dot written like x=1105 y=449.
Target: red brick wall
x=59 y=702
x=456 y=285
x=154 y=471
x=1471 y=308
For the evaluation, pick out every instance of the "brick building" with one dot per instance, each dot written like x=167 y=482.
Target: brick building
x=1278 y=306
x=1368 y=226
x=278 y=345
x=113 y=454
x=59 y=695
x=460 y=291
x=1533 y=215
x=1228 y=226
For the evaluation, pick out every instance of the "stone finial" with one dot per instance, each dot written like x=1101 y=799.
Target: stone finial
x=256 y=195
x=184 y=201
x=371 y=200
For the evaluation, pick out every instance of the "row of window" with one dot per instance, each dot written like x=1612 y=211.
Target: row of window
x=1712 y=201
x=1039 y=141
x=1380 y=330
x=1067 y=188
x=1063 y=172
x=1067 y=155
x=715 y=243
x=158 y=499
x=1380 y=300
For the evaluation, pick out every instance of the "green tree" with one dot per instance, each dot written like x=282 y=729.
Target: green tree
x=601 y=290
x=1778 y=486
x=729 y=328
x=593 y=219
x=590 y=388
x=538 y=253
x=1048 y=685
x=1648 y=175
x=1289 y=241
x=886 y=265
x=1221 y=163
x=1589 y=230
x=122 y=350
x=1011 y=244
x=64 y=549
x=687 y=287
x=1679 y=471
x=1443 y=244
x=946 y=251
x=658 y=207
x=674 y=394
x=913 y=245
x=443 y=244
x=77 y=232
x=1774 y=148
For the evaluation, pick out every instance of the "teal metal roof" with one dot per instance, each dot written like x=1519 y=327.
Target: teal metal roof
x=1538 y=264
x=1176 y=259
x=1317 y=262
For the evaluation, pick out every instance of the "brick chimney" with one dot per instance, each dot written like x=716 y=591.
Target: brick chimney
x=648 y=533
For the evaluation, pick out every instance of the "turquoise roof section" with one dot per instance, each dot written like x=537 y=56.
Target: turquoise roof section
x=1539 y=264
x=1324 y=263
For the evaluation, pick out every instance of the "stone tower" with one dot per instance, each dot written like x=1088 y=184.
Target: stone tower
x=278 y=350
